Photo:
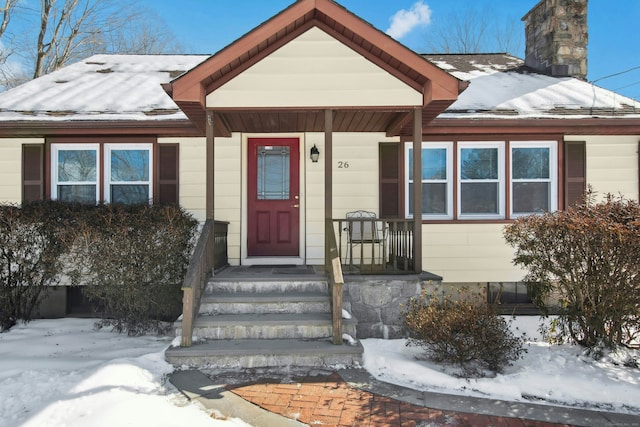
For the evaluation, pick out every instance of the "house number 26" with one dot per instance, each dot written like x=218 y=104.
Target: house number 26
x=343 y=165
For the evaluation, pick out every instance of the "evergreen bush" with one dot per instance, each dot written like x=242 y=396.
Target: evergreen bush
x=131 y=260
x=32 y=241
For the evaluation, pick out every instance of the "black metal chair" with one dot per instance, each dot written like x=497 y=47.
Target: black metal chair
x=364 y=230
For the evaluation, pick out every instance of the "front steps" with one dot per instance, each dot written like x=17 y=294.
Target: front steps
x=266 y=322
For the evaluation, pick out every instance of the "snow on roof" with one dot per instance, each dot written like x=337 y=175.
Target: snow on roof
x=128 y=87
x=102 y=87
x=501 y=86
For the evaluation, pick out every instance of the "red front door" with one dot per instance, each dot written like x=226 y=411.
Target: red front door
x=274 y=197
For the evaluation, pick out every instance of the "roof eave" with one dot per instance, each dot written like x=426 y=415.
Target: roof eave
x=566 y=126
x=45 y=128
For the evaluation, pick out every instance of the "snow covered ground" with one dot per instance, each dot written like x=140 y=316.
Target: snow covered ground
x=558 y=375
x=65 y=373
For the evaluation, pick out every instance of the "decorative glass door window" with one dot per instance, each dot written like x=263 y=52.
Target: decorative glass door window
x=129 y=174
x=273 y=178
x=75 y=171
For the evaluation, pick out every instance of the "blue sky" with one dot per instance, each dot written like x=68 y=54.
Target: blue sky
x=206 y=26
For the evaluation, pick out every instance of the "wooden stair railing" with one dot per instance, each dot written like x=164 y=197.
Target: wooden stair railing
x=210 y=253
x=333 y=267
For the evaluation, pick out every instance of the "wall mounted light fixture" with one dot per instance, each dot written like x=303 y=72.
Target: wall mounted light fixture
x=315 y=154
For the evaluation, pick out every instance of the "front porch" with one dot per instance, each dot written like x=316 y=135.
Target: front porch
x=260 y=316
x=282 y=103
x=387 y=250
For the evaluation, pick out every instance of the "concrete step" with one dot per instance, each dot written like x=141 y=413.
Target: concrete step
x=266 y=286
x=266 y=326
x=264 y=303
x=242 y=354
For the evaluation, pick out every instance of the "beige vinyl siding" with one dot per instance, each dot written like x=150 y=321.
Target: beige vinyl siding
x=468 y=253
x=355 y=184
x=612 y=164
x=228 y=190
x=356 y=187
x=11 y=168
x=313 y=194
x=314 y=70
x=192 y=174
x=193 y=178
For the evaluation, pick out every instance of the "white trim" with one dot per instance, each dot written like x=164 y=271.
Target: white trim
x=553 y=173
x=107 y=167
x=55 y=149
x=500 y=181
x=448 y=146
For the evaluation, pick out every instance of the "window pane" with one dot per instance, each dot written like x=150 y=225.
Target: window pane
x=479 y=198
x=530 y=163
x=434 y=163
x=530 y=197
x=77 y=193
x=77 y=166
x=273 y=173
x=130 y=194
x=434 y=198
x=129 y=165
x=479 y=163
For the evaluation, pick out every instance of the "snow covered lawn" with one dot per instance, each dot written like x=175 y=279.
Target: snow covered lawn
x=64 y=373
x=546 y=374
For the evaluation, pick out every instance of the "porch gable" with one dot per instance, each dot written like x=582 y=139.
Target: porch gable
x=314 y=70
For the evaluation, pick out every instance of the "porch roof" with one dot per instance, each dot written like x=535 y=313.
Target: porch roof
x=439 y=89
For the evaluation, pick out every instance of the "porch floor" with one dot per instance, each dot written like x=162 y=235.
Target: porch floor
x=305 y=272
x=270 y=272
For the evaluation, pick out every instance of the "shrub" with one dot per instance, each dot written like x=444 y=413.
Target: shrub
x=463 y=333
x=32 y=241
x=132 y=260
x=588 y=257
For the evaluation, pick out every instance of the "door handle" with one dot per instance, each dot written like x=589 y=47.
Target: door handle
x=295 y=206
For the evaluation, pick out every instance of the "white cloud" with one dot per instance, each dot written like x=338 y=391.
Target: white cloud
x=404 y=21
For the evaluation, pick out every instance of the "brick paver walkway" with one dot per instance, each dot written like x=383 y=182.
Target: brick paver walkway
x=330 y=401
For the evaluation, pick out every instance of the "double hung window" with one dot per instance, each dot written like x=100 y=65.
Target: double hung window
x=128 y=173
x=437 y=173
x=75 y=172
x=490 y=179
x=78 y=171
x=533 y=177
x=481 y=180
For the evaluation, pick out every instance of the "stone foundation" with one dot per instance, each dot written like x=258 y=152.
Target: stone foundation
x=377 y=302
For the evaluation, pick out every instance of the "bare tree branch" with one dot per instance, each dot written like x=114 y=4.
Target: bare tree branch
x=472 y=31
x=6 y=11
x=70 y=30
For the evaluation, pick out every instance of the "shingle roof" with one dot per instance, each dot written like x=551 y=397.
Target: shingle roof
x=102 y=87
x=128 y=87
x=501 y=86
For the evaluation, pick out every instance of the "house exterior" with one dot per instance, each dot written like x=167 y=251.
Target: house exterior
x=229 y=137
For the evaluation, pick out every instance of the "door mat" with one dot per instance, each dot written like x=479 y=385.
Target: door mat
x=294 y=270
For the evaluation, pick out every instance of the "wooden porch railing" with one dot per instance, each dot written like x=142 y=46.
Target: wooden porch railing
x=401 y=250
x=210 y=253
x=333 y=267
x=375 y=245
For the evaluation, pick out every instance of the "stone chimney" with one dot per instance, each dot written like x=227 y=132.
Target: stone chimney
x=557 y=36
